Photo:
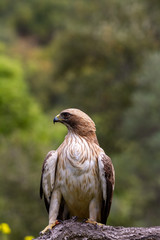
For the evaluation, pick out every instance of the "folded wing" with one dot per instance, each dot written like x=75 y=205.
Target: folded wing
x=48 y=177
x=107 y=178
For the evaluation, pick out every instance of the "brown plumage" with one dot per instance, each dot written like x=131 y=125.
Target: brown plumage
x=78 y=178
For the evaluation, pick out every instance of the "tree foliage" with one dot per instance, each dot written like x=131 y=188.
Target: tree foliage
x=140 y=156
x=99 y=56
x=17 y=108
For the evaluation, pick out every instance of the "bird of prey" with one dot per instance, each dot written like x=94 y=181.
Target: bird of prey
x=78 y=178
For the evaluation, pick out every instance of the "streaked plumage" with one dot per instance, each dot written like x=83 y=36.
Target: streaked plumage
x=78 y=178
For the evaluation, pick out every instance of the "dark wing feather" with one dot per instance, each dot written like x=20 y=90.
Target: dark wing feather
x=48 y=177
x=107 y=177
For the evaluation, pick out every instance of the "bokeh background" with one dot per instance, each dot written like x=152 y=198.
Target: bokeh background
x=102 y=57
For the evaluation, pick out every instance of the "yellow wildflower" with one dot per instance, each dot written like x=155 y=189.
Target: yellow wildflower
x=4 y=228
x=28 y=237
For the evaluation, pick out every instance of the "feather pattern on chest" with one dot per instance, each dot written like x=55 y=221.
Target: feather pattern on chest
x=77 y=155
x=77 y=171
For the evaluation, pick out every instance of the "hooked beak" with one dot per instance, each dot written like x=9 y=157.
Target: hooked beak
x=57 y=119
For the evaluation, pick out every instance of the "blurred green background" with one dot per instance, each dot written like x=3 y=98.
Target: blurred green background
x=100 y=56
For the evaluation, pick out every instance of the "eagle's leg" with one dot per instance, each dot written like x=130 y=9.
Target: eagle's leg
x=53 y=210
x=94 y=212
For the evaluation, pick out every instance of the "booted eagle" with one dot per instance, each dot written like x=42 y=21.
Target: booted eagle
x=77 y=178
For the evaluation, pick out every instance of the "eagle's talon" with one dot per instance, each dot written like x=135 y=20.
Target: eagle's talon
x=49 y=227
x=59 y=221
x=88 y=220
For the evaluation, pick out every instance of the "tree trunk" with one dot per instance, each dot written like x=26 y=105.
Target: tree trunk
x=71 y=229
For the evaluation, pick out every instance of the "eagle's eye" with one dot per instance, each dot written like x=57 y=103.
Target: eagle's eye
x=65 y=115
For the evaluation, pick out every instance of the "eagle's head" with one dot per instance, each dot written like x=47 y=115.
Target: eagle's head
x=77 y=122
